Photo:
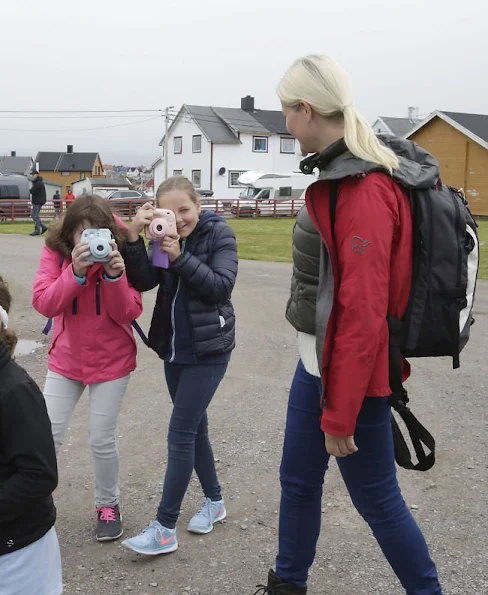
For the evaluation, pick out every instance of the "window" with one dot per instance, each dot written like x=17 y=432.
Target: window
x=116 y=195
x=178 y=145
x=285 y=191
x=66 y=174
x=196 y=177
x=260 y=144
x=287 y=145
x=197 y=143
x=233 y=177
x=177 y=172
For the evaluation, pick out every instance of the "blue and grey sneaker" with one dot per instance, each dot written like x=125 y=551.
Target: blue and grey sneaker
x=210 y=513
x=154 y=540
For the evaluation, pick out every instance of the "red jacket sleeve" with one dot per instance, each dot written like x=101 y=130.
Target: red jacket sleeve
x=124 y=303
x=366 y=218
x=54 y=289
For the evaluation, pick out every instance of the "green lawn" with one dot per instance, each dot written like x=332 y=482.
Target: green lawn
x=270 y=239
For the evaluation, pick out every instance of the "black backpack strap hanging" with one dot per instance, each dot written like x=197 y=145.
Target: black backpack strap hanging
x=419 y=436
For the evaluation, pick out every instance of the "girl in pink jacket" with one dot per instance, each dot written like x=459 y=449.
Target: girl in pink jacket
x=93 y=306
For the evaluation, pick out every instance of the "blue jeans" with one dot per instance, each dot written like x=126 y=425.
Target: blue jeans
x=370 y=477
x=36 y=217
x=191 y=387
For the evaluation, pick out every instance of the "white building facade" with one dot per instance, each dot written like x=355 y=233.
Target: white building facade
x=212 y=146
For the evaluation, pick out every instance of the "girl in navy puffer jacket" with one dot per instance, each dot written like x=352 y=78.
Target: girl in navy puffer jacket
x=193 y=331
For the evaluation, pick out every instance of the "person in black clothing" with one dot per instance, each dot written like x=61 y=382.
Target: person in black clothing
x=30 y=561
x=38 y=192
x=193 y=331
x=57 y=204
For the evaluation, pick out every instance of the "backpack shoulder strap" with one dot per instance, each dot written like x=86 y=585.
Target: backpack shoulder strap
x=333 y=195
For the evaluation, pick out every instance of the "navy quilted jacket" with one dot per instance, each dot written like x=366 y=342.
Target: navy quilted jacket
x=205 y=273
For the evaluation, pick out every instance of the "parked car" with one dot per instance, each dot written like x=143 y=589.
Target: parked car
x=126 y=202
x=14 y=197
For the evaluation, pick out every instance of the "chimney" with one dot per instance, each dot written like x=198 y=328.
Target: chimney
x=13 y=153
x=413 y=113
x=70 y=149
x=247 y=103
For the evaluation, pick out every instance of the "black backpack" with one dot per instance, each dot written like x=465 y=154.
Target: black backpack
x=439 y=313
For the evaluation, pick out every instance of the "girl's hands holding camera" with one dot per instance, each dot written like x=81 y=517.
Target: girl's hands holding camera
x=116 y=265
x=143 y=217
x=78 y=256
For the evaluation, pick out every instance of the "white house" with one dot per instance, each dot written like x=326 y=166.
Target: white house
x=400 y=127
x=212 y=146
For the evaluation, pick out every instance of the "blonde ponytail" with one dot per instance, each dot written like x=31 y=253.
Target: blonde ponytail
x=321 y=82
x=363 y=143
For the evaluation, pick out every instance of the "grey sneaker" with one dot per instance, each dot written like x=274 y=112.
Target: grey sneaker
x=153 y=540
x=209 y=514
x=109 y=524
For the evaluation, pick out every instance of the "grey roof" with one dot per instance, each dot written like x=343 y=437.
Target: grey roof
x=15 y=165
x=272 y=120
x=54 y=161
x=241 y=120
x=475 y=123
x=221 y=125
x=399 y=126
x=214 y=128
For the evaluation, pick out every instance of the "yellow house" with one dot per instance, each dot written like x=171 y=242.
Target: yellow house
x=67 y=168
x=460 y=144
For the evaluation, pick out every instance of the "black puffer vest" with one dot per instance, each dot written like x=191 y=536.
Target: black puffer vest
x=300 y=310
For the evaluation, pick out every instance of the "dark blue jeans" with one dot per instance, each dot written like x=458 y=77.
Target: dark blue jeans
x=191 y=388
x=36 y=217
x=370 y=477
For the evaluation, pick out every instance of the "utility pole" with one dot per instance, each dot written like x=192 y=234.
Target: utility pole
x=165 y=144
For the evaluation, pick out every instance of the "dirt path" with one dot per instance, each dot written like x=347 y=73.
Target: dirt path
x=247 y=419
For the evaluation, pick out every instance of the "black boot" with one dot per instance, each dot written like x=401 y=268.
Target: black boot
x=276 y=586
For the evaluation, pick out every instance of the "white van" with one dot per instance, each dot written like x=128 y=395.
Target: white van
x=271 y=194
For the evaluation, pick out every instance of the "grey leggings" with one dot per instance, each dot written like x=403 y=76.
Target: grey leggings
x=62 y=395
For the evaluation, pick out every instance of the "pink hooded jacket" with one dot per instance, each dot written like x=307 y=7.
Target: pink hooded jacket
x=92 y=339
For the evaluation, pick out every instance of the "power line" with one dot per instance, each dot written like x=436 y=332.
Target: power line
x=79 y=111
x=69 y=117
x=80 y=129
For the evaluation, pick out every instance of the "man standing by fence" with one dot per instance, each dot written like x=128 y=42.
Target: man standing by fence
x=38 y=192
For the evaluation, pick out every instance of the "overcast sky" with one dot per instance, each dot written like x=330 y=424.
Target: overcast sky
x=148 y=54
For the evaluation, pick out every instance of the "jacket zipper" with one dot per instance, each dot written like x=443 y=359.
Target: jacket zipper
x=97 y=298
x=173 y=338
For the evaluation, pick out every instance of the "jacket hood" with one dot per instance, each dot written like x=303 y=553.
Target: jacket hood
x=417 y=168
x=208 y=217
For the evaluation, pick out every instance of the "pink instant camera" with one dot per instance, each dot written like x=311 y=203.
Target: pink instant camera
x=163 y=223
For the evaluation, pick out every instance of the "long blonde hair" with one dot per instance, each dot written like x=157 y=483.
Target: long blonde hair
x=326 y=87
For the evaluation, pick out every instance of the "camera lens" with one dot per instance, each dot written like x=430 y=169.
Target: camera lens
x=100 y=248
x=159 y=227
